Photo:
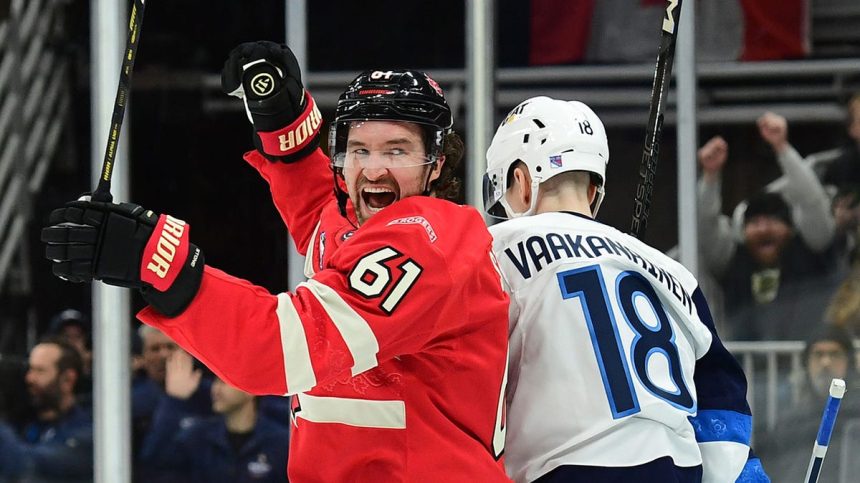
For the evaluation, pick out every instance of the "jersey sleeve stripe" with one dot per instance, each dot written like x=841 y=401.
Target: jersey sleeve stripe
x=297 y=358
x=312 y=253
x=363 y=413
x=355 y=331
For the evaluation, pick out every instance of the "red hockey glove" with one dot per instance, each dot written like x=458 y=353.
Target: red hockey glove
x=266 y=76
x=127 y=246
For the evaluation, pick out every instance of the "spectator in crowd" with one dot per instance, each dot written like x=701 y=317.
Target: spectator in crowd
x=829 y=354
x=148 y=393
x=846 y=214
x=838 y=170
x=14 y=409
x=74 y=326
x=799 y=187
x=781 y=245
x=774 y=283
x=58 y=444
x=841 y=167
x=237 y=445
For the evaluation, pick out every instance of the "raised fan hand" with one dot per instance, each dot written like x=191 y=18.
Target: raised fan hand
x=181 y=379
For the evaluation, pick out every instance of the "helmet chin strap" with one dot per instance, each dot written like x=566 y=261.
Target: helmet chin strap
x=598 y=200
x=532 y=204
x=342 y=197
x=595 y=206
x=427 y=191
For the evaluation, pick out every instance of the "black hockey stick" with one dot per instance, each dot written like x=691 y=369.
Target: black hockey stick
x=653 y=134
x=123 y=90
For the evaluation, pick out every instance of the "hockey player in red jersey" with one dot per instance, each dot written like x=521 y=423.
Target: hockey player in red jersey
x=395 y=348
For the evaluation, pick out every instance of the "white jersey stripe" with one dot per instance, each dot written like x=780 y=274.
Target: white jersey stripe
x=363 y=413
x=294 y=343
x=311 y=254
x=356 y=332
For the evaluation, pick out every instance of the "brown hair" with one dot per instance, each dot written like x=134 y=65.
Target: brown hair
x=447 y=186
x=69 y=358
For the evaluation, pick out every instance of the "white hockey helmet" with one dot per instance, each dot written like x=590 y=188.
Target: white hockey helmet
x=551 y=137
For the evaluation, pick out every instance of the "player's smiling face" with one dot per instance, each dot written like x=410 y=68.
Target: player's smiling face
x=385 y=162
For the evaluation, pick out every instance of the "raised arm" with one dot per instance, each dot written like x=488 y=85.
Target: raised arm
x=716 y=240
x=286 y=123
x=799 y=186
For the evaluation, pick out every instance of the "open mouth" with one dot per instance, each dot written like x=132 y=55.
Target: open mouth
x=377 y=197
x=767 y=244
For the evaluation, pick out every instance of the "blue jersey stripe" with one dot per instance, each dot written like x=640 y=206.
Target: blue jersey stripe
x=718 y=425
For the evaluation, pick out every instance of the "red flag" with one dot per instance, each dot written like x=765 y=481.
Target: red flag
x=774 y=29
x=559 y=31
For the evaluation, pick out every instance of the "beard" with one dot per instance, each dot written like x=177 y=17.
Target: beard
x=46 y=398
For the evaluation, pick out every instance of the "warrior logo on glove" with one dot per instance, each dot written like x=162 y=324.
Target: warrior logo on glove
x=160 y=253
x=125 y=245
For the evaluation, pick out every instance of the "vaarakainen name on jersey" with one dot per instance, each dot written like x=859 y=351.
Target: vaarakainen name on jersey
x=539 y=251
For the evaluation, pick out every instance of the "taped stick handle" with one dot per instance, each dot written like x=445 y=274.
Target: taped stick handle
x=123 y=90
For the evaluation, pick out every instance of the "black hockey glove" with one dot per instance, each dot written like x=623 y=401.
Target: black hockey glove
x=127 y=246
x=266 y=76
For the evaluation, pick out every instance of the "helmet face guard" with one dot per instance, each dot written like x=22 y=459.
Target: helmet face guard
x=347 y=152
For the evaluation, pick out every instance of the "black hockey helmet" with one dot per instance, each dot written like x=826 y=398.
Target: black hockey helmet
x=391 y=95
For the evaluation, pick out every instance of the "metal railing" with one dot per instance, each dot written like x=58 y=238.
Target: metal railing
x=729 y=92
x=34 y=102
x=766 y=365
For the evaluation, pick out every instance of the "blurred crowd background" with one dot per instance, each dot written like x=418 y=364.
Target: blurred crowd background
x=778 y=195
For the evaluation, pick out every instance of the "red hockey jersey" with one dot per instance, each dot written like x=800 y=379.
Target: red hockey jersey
x=396 y=348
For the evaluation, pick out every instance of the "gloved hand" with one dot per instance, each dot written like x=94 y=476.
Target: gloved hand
x=266 y=76
x=125 y=245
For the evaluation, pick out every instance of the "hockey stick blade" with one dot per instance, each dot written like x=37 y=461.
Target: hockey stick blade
x=123 y=90
x=654 y=128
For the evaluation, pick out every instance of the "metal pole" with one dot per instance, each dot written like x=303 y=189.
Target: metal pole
x=296 y=20
x=687 y=137
x=480 y=82
x=111 y=305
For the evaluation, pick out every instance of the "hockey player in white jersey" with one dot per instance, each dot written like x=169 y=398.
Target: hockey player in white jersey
x=616 y=371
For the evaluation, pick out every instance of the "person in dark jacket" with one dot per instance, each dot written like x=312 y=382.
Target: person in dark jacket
x=58 y=444
x=237 y=445
x=154 y=389
x=829 y=354
x=775 y=286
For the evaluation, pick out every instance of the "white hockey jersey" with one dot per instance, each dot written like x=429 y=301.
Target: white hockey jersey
x=614 y=360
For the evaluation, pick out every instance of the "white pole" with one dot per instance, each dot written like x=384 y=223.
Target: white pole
x=480 y=88
x=297 y=39
x=111 y=305
x=687 y=137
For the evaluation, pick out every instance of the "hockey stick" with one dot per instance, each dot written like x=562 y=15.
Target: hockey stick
x=653 y=134
x=102 y=191
x=825 y=430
